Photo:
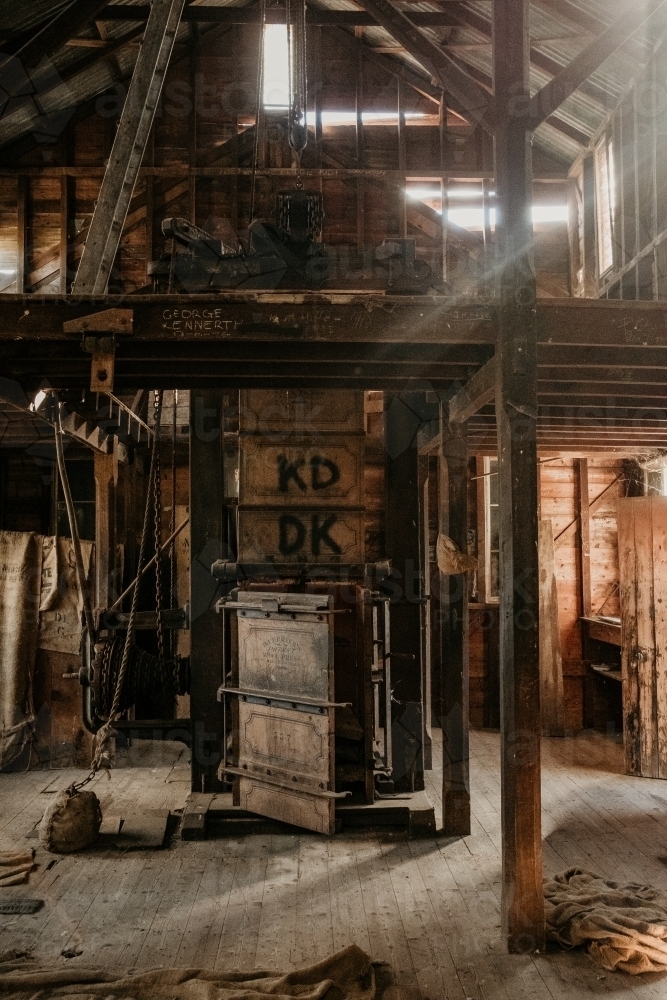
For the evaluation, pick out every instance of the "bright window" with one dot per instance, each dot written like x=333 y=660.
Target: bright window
x=604 y=203
x=492 y=526
x=276 y=66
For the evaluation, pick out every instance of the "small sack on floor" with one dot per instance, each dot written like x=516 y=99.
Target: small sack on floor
x=71 y=822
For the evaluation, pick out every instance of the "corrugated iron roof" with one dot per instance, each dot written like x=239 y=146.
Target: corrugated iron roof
x=559 y=31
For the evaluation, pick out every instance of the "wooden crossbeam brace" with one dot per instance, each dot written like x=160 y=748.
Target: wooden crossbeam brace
x=128 y=149
x=475 y=394
x=57 y=32
x=550 y=97
x=593 y=507
x=474 y=99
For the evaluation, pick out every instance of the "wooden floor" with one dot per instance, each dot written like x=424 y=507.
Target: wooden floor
x=429 y=907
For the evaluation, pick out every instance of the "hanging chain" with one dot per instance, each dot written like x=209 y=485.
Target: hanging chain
x=259 y=100
x=157 y=525
x=296 y=42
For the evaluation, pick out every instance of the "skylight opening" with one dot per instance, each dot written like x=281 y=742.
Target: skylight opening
x=276 y=67
x=471 y=216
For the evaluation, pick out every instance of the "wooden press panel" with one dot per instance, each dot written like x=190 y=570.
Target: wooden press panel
x=301 y=477
x=288 y=743
x=301 y=536
x=298 y=808
x=317 y=472
x=642 y=551
x=287 y=752
x=301 y=411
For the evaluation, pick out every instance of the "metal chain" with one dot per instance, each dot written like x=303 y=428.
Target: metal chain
x=259 y=99
x=297 y=124
x=157 y=526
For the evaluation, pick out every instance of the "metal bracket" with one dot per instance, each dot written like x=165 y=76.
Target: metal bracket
x=103 y=350
x=98 y=332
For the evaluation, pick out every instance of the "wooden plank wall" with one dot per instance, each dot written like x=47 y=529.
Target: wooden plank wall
x=207 y=104
x=639 y=141
x=559 y=501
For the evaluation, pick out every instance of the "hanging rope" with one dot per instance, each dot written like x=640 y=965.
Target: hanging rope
x=73 y=526
x=296 y=47
x=259 y=101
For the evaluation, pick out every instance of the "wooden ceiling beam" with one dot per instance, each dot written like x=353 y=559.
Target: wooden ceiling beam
x=571 y=11
x=394 y=66
x=474 y=99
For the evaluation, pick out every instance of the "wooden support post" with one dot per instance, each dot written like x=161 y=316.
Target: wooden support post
x=106 y=480
x=488 y=281
x=22 y=197
x=402 y=158
x=426 y=650
x=192 y=122
x=516 y=417
x=588 y=208
x=444 y=182
x=455 y=636
x=65 y=185
x=150 y=211
x=551 y=664
x=359 y=138
x=106 y=226
x=207 y=499
x=316 y=34
x=402 y=423
x=584 y=516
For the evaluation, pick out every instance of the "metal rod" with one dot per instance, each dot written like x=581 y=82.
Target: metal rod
x=151 y=562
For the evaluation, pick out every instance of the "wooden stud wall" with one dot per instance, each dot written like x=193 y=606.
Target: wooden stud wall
x=559 y=503
x=639 y=139
x=207 y=104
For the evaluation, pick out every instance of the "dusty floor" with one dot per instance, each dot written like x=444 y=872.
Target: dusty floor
x=429 y=907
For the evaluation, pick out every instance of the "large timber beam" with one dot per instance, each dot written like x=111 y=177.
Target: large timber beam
x=478 y=392
x=476 y=102
x=522 y=902
x=128 y=149
x=549 y=98
x=566 y=328
x=454 y=658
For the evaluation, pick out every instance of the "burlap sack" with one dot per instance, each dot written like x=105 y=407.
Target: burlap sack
x=71 y=822
x=450 y=559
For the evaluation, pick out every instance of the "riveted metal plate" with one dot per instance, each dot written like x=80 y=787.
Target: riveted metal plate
x=285 y=657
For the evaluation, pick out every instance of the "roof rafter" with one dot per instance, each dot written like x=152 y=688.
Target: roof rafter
x=476 y=102
x=550 y=97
